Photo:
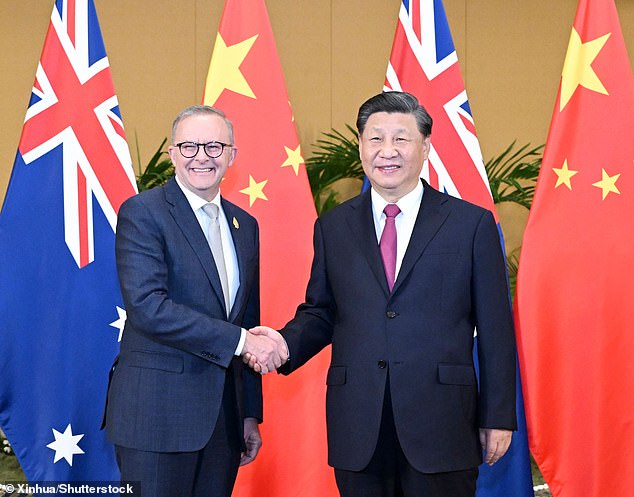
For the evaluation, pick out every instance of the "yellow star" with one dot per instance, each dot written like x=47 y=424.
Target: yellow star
x=293 y=158
x=607 y=183
x=578 y=67
x=563 y=175
x=255 y=190
x=224 y=70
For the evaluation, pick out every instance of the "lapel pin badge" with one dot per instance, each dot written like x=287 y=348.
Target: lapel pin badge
x=236 y=224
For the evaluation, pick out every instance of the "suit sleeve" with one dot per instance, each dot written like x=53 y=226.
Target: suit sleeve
x=494 y=325
x=312 y=327
x=143 y=255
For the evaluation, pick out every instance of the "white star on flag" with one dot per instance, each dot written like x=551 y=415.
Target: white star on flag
x=120 y=323
x=65 y=445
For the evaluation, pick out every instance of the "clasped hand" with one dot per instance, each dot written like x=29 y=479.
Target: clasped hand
x=264 y=349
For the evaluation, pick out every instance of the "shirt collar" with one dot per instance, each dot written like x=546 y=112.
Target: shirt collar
x=408 y=203
x=194 y=200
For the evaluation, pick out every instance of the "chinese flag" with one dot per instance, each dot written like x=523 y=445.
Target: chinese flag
x=575 y=288
x=269 y=180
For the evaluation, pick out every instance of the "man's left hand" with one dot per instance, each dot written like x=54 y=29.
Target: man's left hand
x=252 y=439
x=495 y=443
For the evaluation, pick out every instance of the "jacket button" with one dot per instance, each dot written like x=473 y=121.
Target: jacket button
x=382 y=364
x=391 y=314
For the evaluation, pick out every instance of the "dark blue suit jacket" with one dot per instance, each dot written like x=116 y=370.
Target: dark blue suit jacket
x=177 y=348
x=451 y=281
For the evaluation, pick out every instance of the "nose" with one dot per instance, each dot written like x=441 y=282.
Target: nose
x=388 y=150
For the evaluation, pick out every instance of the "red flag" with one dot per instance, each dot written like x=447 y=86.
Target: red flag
x=575 y=286
x=269 y=180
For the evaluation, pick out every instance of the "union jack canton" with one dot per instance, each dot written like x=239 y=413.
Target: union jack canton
x=73 y=103
x=424 y=62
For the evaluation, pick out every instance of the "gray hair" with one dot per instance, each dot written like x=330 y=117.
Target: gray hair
x=196 y=110
x=395 y=102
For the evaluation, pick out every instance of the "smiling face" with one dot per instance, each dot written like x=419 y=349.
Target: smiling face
x=202 y=174
x=392 y=152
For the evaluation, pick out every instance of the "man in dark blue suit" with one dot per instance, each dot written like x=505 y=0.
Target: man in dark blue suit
x=183 y=410
x=402 y=276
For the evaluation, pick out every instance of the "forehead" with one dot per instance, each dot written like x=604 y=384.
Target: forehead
x=391 y=122
x=209 y=126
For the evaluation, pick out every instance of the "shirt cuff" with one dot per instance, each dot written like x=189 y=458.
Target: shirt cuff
x=243 y=338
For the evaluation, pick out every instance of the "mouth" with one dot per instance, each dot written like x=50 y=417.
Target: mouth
x=389 y=168
x=202 y=170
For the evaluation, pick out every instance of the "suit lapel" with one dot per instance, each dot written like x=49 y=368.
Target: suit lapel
x=186 y=220
x=243 y=243
x=361 y=223
x=431 y=217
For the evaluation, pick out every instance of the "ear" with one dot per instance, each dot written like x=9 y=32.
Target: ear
x=426 y=146
x=171 y=150
x=234 y=153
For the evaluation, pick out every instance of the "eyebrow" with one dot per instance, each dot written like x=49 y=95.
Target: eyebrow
x=379 y=129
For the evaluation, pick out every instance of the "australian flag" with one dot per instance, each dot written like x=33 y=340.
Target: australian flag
x=60 y=306
x=424 y=62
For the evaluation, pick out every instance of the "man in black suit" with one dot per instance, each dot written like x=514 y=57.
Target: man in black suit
x=183 y=409
x=402 y=276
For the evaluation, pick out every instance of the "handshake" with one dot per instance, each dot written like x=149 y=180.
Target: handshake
x=264 y=349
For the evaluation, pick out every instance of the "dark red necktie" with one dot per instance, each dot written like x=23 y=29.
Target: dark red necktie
x=387 y=245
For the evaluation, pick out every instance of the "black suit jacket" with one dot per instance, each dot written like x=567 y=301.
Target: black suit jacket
x=452 y=280
x=177 y=348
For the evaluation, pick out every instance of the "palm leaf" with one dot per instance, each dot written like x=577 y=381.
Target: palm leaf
x=158 y=170
x=513 y=174
x=336 y=156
